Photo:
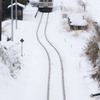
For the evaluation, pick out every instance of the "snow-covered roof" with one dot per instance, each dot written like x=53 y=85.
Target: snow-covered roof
x=19 y=4
x=77 y=19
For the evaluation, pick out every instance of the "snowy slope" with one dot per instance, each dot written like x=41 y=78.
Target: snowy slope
x=31 y=84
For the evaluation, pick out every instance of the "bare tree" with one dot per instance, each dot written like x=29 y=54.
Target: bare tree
x=82 y=4
x=0 y=18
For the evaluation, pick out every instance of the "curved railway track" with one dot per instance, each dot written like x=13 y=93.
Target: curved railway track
x=49 y=59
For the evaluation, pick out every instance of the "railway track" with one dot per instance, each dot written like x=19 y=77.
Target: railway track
x=49 y=58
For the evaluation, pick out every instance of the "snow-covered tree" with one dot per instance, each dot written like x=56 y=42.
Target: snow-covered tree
x=83 y=4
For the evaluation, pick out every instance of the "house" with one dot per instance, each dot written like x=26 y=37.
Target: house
x=77 y=22
x=20 y=8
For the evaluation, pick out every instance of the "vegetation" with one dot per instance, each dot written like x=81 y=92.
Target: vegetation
x=9 y=57
x=93 y=52
x=82 y=4
x=5 y=11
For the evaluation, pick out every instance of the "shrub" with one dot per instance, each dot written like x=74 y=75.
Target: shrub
x=96 y=76
x=92 y=50
x=9 y=58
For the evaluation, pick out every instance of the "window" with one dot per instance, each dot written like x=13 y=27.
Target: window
x=79 y=27
x=19 y=12
x=49 y=0
x=41 y=0
x=72 y=27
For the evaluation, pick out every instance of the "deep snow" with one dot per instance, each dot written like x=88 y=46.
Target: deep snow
x=31 y=83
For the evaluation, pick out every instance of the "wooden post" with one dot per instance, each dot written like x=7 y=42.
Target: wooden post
x=0 y=19
x=22 y=47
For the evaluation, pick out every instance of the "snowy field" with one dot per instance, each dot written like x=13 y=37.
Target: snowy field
x=31 y=81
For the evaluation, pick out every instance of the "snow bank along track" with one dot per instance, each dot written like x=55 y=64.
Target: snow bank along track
x=49 y=58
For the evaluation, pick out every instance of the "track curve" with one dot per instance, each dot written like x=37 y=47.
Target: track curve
x=63 y=82
x=49 y=59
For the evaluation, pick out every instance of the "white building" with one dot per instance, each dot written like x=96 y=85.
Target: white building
x=77 y=22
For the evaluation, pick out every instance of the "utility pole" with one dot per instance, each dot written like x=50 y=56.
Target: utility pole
x=12 y=20
x=16 y=14
x=0 y=19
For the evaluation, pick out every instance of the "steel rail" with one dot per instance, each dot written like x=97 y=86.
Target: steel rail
x=62 y=68
x=49 y=61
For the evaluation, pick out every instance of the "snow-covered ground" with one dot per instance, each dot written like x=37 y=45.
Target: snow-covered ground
x=31 y=83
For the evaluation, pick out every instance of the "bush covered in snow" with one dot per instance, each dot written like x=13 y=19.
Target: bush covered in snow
x=8 y=56
x=93 y=52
